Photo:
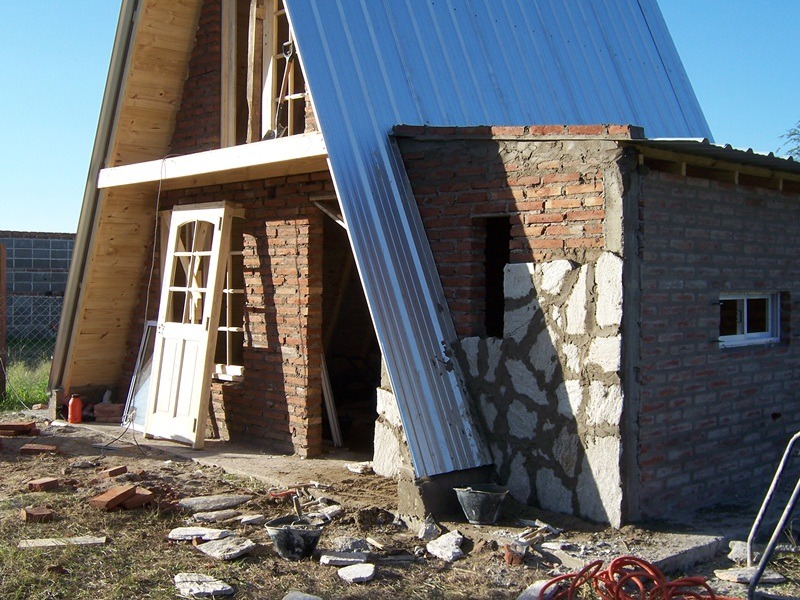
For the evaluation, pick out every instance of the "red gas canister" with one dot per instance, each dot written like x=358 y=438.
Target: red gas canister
x=75 y=409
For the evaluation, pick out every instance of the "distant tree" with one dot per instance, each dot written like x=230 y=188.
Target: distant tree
x=792 y=145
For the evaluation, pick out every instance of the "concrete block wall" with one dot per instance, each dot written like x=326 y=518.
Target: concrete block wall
x=713 y=421
x=37 y=265
x=548 y=392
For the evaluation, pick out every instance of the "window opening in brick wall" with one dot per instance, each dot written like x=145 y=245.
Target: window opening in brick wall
x=228 y=356
x=497 y=255
x=749 y=318
x=263 y=88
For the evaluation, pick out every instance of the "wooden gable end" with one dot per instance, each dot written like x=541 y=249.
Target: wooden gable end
x=119 y=238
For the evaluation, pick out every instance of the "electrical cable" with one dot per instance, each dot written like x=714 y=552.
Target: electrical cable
x=627 y=578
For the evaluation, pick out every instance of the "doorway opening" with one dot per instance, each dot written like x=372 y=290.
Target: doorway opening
x=350 y=344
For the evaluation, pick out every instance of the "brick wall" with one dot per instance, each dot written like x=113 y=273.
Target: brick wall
x=462 y=176
x=713 y=421
x=198 y=123
x=279 y=402
x=547 y=388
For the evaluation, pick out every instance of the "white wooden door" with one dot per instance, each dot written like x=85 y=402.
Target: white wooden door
x=187 y=323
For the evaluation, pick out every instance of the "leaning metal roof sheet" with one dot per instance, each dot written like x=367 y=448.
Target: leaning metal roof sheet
x=373 y=64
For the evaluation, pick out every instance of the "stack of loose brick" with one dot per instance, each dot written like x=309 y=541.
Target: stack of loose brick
x=121 y=496
x=106 y=412
x=15 y=428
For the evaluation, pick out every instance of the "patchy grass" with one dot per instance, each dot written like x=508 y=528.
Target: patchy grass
x=25 y=384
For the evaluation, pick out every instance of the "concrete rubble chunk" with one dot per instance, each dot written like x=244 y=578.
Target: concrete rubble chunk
x=295 y=595
x=252 y=519
x=429 y=530
x=211 y=503
x=447 y=547
x=534 y=590
x=197 y=585
x=215 y=516
x=227 y=548
x=342 y=559
x=738 y=553
x=344 y=543
x=743 y=575
x=357 y=573
x=205 y=533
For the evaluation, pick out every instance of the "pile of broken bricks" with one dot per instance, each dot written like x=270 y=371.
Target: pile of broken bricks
x=117 y=497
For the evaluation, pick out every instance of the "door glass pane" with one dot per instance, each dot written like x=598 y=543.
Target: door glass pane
x=204 y=236
x=177 y=303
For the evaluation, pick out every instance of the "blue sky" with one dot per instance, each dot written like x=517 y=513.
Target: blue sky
x=740 y=55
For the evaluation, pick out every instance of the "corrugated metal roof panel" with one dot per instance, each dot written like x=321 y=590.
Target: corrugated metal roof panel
x=727 y=153
x=373 y=64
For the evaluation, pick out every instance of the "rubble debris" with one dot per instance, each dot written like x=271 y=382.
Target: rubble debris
x=357 y=573
x=295 y=595
x=744 y=574
x=43 y=484
x=429 y=530
x=215 y=502
x=113 y=497
x=40 y=406
x=342 y=559
x=84 y=540
x=537 y=524
x=367 y=518
x=197 y=585
x=206 y=534
x=252 y=519
x=447 y=547
x=375 y=543
x=361 y=468
x=82 y=464
x=140 y=498
x=215 y=516
x=326 y=513
x=514 y=554
x=36 y=514
x=227 y=548
x=113 y=471
x=344 y=543
x=533 y=591
x=32 y=448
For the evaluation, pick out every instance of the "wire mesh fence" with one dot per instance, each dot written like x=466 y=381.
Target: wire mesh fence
x=31 y=327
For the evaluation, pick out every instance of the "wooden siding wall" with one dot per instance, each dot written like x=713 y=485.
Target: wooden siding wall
x=123 y=230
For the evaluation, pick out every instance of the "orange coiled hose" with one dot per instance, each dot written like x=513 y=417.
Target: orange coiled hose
x=628 y=578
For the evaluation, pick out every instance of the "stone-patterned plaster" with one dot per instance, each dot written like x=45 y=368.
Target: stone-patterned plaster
x=549 y=392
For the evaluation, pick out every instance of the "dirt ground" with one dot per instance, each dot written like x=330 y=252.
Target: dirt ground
x=138 y=561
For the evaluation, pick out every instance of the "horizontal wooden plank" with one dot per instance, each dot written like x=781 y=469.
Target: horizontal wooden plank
x=294 y=154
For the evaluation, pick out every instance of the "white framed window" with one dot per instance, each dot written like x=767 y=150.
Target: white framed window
x=749 y=318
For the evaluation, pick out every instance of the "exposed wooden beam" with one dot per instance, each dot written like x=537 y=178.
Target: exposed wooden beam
x=284 y=156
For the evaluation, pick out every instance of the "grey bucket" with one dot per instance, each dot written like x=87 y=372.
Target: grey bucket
x=481 y=503
x=293 y=538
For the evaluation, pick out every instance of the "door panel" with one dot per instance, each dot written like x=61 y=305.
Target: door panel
x=187 y=323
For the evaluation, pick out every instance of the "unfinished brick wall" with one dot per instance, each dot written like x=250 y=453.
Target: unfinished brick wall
x=713 y=421
x=279 y=402
x=547 y=389
x=197 y=125
x=461 y=177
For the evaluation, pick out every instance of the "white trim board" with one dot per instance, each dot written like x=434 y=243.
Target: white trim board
x=290 y=155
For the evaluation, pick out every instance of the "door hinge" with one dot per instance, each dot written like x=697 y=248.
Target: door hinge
x=194 y=426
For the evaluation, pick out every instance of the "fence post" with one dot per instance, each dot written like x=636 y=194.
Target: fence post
x=3 y=353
